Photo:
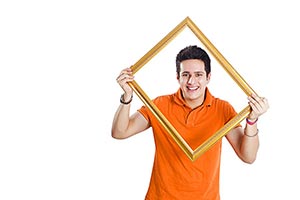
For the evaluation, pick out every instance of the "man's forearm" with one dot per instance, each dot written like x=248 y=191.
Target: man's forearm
x=121 y=121
x=250 y=143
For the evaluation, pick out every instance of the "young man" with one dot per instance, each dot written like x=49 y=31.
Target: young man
x=196 y=115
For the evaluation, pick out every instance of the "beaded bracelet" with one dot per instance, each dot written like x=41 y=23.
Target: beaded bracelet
x=250 y=122
x=124 y=102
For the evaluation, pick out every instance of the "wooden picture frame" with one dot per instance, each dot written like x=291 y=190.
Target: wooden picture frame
x=192 y=154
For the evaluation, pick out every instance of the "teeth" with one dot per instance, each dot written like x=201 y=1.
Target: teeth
x=192 y=88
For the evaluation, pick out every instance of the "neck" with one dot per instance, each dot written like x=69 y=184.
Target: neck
x=194 y=103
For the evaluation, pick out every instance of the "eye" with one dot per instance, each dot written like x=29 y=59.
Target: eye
x=198 y=74
x=185 y=74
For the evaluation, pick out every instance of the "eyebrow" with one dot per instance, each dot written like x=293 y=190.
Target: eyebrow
x=196 y=72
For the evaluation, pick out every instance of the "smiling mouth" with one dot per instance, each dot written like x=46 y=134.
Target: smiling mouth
x=192 y=88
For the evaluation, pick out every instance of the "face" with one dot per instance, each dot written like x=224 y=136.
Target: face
x=193 y=81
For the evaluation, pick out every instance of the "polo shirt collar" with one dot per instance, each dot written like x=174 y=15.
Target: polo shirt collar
x=207 y=101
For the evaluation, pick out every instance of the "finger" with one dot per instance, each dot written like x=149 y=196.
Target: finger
x=253 y=99
x=259 y=105
x=124 y=71
x=256 y=98
x=124 y=76
x=255 y=109
x=124 y=79
x=256 y=105
x=260 y=100
x=265 y=100
x=258 y=108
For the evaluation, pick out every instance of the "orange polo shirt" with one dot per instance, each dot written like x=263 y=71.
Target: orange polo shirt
x=174 y=175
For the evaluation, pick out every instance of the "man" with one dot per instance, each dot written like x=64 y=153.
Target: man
x=196 y=115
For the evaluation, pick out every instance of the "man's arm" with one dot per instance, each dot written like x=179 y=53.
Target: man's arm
x=245 y=146
x=123 y=125
x=245 y=142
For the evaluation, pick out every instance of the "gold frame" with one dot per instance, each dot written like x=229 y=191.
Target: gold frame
x=192 y=154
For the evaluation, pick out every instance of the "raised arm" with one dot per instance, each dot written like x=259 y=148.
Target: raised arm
x=124 y=125
x=246 y=141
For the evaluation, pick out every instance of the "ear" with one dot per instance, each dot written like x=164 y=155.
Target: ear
x=177 y=76
x=208 y=77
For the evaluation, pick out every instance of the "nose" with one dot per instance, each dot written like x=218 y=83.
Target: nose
x=191 y=79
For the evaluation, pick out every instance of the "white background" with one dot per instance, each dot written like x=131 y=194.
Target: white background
x=58 y=94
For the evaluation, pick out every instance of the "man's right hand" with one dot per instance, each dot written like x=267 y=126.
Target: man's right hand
x=123 y=79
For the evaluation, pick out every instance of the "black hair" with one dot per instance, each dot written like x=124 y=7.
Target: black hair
x=193 y=52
